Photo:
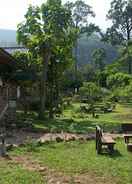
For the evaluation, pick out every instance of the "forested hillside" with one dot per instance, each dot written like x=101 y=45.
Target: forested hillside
x=86 y=46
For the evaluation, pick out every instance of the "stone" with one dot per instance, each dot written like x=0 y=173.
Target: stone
x=59 y=139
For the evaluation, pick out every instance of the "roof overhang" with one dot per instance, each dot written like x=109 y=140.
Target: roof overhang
x=6 y=58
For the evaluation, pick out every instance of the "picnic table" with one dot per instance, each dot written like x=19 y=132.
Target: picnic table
x=127 y=130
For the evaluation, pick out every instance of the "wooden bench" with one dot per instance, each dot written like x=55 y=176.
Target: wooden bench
x=103 y=140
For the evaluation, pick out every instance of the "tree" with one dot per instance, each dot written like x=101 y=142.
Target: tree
x=80 y=14
x=92 y=93
x=118 y=80
x=69 y=82
x=88 y=72
x=56 y=68
x=98 y=57
x=125 y=56
x=26 y=74
x=46 y=30
x=121 y=31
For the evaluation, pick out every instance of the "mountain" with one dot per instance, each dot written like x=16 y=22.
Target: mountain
x=7 y=37
x=86 y=46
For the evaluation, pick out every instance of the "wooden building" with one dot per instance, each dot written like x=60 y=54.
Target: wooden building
x=8 y=88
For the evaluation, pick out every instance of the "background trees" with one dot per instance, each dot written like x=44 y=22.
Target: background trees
x=99 y=57
x=52 y=33
x=80 y=14
x=91 y=93
x=120 y=32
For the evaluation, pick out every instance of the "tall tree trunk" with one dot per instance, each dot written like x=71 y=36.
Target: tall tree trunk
x=51 y=114
x=129 y=59
x=46 y=58
x=51 y=90
x=129 y=65
x=76 y=63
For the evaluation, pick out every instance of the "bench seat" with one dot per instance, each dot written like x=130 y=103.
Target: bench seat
x=103 y=139
x=106 y=139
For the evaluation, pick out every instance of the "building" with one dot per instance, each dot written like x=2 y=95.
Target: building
x=8 y=88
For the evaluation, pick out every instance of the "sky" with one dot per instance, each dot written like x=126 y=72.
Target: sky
x=12 y=12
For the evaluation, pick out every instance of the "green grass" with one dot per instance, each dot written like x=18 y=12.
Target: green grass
x=12 y=173
x=74 y=121
x=76 y=157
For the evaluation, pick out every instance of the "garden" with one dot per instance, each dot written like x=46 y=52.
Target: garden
x=63 y=121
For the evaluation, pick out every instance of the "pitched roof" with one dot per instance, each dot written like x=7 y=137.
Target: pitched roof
x=6 y=58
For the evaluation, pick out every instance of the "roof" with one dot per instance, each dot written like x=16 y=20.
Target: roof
x=7 y=64
x=6 y=58
x=8 y=68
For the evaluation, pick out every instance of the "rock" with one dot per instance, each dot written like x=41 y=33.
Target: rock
x=81 y=138
x=59 y=139
x=46 y=142
x=72 y=138
x=88 y=138
x=9 y=147
x=42 y=169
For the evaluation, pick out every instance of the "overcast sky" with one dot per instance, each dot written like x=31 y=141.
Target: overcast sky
x=12 y=11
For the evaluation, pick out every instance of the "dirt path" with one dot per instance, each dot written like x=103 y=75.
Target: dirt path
x=51 y=176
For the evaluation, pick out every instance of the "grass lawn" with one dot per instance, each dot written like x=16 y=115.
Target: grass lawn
x=74 y=121
x=12 y=173
x=80 y=158
x=73 y=158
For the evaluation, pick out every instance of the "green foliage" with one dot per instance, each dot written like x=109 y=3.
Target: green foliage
x=26 y=67
x=121 y=31
x=113 y=68
x=124 y=93
x=121 y=15
x=125 y=58
x=98 y=58
x=118 y=80
x=90 y=91
x=31 y=145
x=49 y=32
x=69 y=81
x=88 y=73
x=23 y=60
x=80 y=12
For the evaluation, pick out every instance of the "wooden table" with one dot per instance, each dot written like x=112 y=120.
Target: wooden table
x=127 y=137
